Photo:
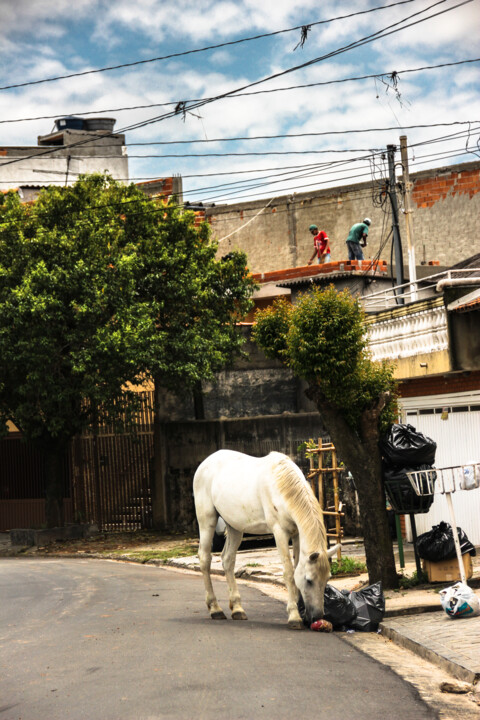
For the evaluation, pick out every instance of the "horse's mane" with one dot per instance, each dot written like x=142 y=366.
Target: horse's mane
x=301 y=502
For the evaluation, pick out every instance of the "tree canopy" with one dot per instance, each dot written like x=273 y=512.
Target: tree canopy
x=102 y=287
x=192 y=302
x=68 y=305
x=323 y=340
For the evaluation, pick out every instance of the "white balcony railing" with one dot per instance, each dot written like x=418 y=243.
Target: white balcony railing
x=422 y=289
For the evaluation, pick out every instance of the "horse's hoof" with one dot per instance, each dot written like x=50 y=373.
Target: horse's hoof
x=239 y=615
x=295 y=624
x=219 y=615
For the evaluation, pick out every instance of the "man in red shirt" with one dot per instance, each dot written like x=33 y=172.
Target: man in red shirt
x=321 y=245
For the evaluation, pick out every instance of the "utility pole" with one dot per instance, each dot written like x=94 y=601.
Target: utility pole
x=412 y=270
x=397 y=243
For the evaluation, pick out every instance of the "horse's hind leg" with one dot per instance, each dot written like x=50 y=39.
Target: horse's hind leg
x=229 y=553
x=207 y=524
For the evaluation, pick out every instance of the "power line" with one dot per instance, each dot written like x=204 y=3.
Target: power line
x=292 y=152
x=293 y=135
x=228 y=208
x=379 y=75
x=370 y=38
x=182 y=109
x=199 y=50
x=306 y=170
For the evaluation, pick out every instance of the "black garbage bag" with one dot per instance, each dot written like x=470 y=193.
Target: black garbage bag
x=400 y=492
x=370 y=606
x=404 y=445
x=438 y=544
x=338 y=608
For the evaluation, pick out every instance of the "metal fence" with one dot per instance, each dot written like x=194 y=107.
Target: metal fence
x=112 y=480
x=108 y=476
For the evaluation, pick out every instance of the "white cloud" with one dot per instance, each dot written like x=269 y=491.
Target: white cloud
x=153 y=27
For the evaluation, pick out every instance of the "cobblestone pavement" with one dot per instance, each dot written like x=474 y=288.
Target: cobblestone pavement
x=452 y=644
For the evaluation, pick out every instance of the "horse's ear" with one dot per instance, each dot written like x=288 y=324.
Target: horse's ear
x=313 y=557
x=331 y=551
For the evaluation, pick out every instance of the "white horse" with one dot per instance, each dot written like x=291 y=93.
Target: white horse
x=260 y=496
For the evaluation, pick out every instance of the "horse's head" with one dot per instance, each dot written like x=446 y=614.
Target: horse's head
x=311 y=576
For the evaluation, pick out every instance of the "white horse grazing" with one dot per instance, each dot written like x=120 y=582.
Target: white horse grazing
x=260 y=496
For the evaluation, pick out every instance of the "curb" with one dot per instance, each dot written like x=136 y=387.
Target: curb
x=413 y=610
x=454 y=669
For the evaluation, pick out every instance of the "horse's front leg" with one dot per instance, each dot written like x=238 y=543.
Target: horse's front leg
x=229 y=553
x=296 y=549
x=281 y=540
x=205 y=558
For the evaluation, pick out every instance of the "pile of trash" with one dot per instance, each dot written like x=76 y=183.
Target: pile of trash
x=460 y=601
x=405 y=450
x=345 y=610
x=438 y=544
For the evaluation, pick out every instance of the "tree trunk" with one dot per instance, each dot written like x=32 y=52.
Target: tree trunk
x=362 y=457
x=54 y=467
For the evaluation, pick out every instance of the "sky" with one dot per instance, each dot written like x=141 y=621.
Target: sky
x=44 y=39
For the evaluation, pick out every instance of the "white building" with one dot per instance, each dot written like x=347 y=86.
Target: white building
x=74 y=147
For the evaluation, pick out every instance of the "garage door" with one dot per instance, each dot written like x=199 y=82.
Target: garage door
x=453 y=421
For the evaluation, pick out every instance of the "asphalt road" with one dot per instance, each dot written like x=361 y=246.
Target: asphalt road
x=93 y=639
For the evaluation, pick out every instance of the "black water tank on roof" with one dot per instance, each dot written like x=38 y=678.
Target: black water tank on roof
x=100 y=123
x=70 y=123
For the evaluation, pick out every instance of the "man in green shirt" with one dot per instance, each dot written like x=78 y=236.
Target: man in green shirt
x=357 y=238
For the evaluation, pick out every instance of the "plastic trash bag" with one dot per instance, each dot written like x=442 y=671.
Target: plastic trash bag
x=460 y=601
x=404 y=445
x=400 y=491
x=370 y=606
x=338 y=608
x=438 y=544
x=470 y=476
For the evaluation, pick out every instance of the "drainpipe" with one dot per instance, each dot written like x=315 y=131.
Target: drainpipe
x=457 y=282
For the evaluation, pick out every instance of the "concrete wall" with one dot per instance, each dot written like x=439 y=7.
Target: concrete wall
x=187 y=444
x=34 y=167
x=446 y=205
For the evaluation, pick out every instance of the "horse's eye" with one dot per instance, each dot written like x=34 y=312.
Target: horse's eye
x=309 y=582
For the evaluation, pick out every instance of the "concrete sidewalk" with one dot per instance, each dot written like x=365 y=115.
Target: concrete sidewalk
x=414 y=618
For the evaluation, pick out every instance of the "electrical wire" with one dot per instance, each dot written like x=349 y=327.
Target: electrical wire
x=380 y=75
x=370 y=38
x=294 y=135
x=274 y=137
x=199 y=50
x=297 y=172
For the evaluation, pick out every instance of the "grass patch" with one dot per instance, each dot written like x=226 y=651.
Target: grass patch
x=347 y=566
x=163 y=555
x=253 y=564
x=413 y=580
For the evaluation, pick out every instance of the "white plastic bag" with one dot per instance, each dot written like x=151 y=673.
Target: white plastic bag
x=460 y=601
x=470 y=476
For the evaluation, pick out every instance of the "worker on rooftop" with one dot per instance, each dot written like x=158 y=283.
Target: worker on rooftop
x=321 y=247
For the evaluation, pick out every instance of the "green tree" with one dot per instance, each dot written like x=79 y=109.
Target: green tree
x=68 y=315
x=192 y=305
x=102 y=287
x=323 y=340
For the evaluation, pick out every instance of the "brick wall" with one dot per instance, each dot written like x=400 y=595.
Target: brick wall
x=275 y=235
x=440 y=384
x=447 y=207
